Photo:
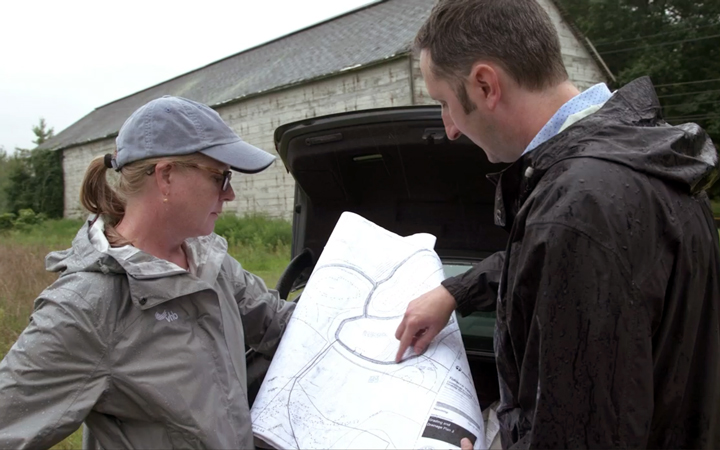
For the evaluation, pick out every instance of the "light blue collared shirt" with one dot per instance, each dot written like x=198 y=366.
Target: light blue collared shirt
x=595 y=96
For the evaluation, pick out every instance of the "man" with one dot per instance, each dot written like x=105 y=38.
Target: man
x=607 y=293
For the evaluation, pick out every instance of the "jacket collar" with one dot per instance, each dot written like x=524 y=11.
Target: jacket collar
x=154 y=281
x=151 y=280
x=634 y=104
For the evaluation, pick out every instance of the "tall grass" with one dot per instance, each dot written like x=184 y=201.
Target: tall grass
x=22 y=264
x=261 y=244
x=23 y=278
x=256 y=230
x=52 y=234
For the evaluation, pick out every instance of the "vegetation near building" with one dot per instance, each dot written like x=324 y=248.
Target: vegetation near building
x=32 y=179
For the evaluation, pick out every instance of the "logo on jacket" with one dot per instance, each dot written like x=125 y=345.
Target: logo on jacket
x=166 y=315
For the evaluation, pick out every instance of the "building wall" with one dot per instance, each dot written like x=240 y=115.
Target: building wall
x=396 y=82
x=75 y=162
x=582 y=68
x=255 y=120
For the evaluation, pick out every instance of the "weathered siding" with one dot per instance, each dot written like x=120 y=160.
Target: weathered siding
x=582 y=68
x=255 y=120
x=75 y=162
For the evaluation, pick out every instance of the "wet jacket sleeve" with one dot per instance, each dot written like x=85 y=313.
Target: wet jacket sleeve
x=53 y=375
x=476 y=289
x=589 y=337
x=264 y=314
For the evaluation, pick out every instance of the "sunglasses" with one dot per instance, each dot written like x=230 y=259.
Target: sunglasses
x=225 y=174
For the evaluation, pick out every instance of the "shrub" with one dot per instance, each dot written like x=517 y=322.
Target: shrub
x=28 y=217
x=255 y=230
x=7 y=221
x=35 y=180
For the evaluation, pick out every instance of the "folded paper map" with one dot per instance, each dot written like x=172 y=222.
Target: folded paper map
x=334 y=382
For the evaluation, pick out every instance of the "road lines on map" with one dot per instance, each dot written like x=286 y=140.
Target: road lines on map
x=415 y=360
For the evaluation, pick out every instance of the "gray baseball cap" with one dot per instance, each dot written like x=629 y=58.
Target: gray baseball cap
x=171 y=126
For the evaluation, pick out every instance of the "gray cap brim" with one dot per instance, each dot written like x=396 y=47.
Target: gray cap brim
x=240 y=156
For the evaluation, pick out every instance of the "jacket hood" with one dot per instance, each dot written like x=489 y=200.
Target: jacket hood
x=629 y=130
x=91 y=252
x=82 y=256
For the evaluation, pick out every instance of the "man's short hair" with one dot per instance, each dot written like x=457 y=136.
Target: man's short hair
x=515 y=34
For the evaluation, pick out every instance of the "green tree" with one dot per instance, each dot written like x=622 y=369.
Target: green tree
x=47 y=182
x=41 y=132
x=675 y=42
x=19 y=184
x=35 y=177
x=4 y=175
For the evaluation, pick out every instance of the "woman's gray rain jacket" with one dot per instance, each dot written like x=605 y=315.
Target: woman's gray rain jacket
x=147 y=354
x=609 y=287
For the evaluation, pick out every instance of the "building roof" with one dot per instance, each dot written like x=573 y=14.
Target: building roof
x=373 y=33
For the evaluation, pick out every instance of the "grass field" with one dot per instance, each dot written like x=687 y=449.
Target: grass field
x=261 y=245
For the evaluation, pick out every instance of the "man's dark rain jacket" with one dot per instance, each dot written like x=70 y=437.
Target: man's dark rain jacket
x=607 y=293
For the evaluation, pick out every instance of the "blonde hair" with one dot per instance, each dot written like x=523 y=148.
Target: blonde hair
x=101 y=198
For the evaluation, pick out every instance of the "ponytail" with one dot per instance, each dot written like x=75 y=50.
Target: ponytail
x=98 y=197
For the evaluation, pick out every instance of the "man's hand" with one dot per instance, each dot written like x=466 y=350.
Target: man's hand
x=465 y=444
x=424 y=318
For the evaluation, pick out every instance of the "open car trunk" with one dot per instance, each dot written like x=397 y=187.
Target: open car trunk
x=396 y=168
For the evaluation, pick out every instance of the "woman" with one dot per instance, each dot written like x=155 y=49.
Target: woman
x=143 y=335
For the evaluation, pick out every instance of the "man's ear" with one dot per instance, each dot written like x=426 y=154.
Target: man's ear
x=484 y=83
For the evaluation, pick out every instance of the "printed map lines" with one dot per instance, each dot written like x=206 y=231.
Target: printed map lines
x=378 y=283
x=311 y=327
x=354 y=308
x=375 y=285
x=338 y=423
x=404 y=380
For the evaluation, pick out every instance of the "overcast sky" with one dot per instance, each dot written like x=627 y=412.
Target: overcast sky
x=62 y=59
